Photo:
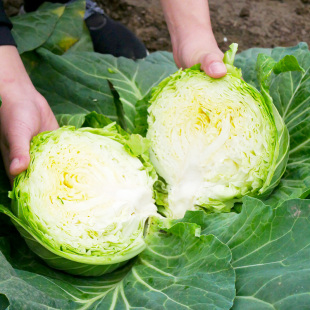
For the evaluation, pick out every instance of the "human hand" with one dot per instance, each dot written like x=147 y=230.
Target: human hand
x=192 y=36
x=23 y=114
x=200 y=46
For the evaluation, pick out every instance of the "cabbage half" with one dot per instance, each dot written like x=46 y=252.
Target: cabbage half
x=83 y=202
x=213 y=141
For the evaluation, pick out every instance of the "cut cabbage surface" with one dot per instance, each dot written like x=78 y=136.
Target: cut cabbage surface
x=85 y=195
x=212 y=140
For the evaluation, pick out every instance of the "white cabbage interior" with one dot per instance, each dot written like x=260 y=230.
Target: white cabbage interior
x=89 y=193
x=209 y=142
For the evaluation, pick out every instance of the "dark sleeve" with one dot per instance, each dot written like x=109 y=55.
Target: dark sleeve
x=6 y=37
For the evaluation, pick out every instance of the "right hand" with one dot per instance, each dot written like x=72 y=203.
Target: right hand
x=192 y=37
x=24 y=113
x=199 y=46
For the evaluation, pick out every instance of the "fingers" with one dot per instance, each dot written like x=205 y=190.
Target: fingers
x=18 y=125
x=19 y=142
x=47 y=118
x=50 y=123
x=208 y=55
x=213 y=65
x=20 y=120
x=15 y=151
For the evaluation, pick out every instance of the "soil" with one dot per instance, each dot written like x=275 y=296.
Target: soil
x=263 y=23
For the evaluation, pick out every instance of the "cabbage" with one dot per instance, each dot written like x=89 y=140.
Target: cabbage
x=214 y=141
x=83 y=202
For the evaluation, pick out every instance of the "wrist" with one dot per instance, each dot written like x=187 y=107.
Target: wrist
x=14 y=79
x=193 y=33
x=188 y=22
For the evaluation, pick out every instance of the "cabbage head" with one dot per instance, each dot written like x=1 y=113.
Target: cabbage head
x=214 y=141
x=83 y=202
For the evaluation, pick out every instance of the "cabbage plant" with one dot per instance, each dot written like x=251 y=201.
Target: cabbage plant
x=83 y=202
x=220 y=260
x=214 y=141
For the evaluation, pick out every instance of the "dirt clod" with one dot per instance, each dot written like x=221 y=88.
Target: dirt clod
x=245 y=12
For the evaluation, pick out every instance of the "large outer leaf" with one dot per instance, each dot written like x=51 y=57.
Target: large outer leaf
x=59 y=28
x=33 y=29
x=69 y=28
x=271 y=250
x=72 y=90
x=162 y=58
x=177 y=271
x=291 y=95
x=132 y=80
x=84 y=44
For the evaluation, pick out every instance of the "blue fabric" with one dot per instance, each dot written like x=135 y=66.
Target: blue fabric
x=6 y=37
x=91 y=8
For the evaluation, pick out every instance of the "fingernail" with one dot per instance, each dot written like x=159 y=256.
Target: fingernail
x=217 y=68
x=14 y=163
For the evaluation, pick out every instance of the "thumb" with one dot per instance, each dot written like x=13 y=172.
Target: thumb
x=19 y=143
x=213 y=65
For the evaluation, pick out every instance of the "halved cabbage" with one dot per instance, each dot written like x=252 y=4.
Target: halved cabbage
x=83 y=202
x=214 y=140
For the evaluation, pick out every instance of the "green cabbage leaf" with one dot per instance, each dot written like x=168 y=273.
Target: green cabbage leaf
x=270 y=251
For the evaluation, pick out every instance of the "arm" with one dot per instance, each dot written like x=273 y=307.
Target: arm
x=23 y=113
x=192 y=36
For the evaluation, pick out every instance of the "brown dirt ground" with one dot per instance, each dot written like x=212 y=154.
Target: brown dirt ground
x=263 y=23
